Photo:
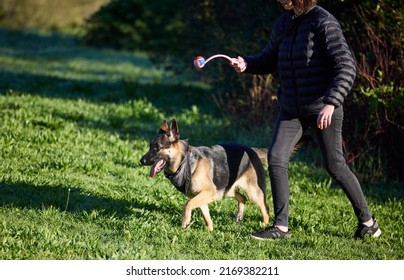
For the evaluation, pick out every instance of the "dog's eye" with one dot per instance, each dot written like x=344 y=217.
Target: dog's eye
x=158 y=146
x=164 y=146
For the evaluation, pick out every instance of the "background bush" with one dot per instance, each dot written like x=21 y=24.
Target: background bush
x=374 y=112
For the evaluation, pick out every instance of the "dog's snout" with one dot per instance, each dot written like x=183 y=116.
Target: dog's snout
x=143 y=160
x=147 y=159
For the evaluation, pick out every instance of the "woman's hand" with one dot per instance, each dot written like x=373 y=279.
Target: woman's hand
x=325 y=115
x=238 y=64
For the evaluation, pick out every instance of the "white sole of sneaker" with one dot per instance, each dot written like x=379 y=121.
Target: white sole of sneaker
x=377 y=233
x=287 y=236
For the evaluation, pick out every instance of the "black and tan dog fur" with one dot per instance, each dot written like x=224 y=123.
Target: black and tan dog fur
x=207 y=174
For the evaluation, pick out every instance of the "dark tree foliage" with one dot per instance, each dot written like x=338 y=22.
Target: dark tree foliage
x=374 y=128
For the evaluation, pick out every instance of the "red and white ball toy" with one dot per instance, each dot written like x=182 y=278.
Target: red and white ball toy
x=200 y=62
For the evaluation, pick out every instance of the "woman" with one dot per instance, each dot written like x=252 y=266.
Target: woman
x=309 y=51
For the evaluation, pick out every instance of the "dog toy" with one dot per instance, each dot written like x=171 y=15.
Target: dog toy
x=200 y=62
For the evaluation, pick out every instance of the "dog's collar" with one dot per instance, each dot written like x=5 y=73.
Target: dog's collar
x=181 y=179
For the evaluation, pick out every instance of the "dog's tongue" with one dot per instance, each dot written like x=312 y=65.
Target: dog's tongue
x=157 y=167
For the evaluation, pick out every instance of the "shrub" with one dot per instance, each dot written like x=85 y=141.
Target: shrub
x=374 y=128
x=135 y=24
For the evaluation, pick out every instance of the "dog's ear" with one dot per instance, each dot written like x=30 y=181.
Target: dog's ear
x=164 y=129
x=174 y=131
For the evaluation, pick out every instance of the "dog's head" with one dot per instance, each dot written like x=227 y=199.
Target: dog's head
x=160 y=155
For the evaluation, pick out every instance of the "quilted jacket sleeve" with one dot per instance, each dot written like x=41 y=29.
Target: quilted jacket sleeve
x=341 y=60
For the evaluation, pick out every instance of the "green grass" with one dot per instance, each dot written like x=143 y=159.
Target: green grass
x=74 y=123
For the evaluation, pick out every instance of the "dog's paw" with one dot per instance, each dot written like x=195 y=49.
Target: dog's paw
x=239 y=218
x=185 y=225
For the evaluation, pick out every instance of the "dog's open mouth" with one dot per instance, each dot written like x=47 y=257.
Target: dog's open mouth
x=157 y=167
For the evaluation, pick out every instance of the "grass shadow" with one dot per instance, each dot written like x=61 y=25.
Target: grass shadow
x=25 y=43
x=57 y=66
x=69 y=199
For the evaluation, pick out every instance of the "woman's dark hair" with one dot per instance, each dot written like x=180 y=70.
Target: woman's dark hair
x=304 y=5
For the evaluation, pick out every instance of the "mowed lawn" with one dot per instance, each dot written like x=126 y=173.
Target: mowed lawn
x=74 y=122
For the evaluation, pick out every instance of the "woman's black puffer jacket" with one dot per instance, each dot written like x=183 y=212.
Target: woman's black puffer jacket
x=313 y=60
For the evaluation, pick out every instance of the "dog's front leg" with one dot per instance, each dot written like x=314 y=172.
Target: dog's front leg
x=186 y=217
x=206 y=216
x=199 y=201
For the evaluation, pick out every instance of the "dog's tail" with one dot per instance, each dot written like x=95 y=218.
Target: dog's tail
x=305 y=139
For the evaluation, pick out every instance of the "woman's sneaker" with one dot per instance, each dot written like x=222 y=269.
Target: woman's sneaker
x=271 y=233
x=363 y=230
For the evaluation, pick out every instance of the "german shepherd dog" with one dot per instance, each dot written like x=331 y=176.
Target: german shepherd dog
x=207 y=174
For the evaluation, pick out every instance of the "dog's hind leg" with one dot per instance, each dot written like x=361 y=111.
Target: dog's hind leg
x=240 y=207
x=241 y=200
x=258 y=197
